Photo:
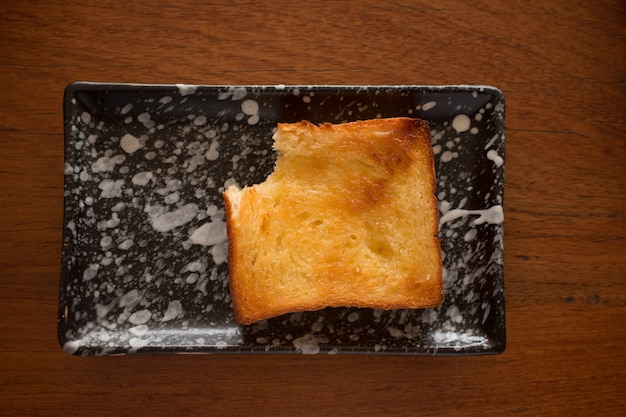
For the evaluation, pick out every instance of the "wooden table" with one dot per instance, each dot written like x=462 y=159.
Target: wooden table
x=562 y=67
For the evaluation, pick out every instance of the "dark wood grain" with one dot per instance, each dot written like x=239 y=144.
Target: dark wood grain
x=562 y=68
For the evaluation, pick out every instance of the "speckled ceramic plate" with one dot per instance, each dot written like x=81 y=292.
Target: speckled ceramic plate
x=144 y=259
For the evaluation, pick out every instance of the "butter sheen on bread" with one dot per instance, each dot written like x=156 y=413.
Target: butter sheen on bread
x=347 y=218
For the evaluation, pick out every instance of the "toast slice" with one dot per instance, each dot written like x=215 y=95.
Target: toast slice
x=348 y=218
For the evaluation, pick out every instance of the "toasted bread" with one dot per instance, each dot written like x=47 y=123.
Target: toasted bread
x=347 y=218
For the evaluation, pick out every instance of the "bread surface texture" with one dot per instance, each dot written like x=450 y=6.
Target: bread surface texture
x=348 y=218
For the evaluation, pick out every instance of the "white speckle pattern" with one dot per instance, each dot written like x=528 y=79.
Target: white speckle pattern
x=186 y=89
x=251 y=108
x=142 y=178
x=492 y=155
x=168 y=221
x=129 y=143
x=210 y=234
x=126 y=108
x=429 y=105
x=461 y=123
x=85 y=117
x=307 y=344
x=140 y=317
x=174 y=310
x=145 y=244
x=492 y=215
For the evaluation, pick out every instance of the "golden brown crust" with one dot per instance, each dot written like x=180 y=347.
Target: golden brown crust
x=233 y=266
x=348 y=218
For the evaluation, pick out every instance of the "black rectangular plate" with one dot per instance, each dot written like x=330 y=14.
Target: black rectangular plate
x=144 y=258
